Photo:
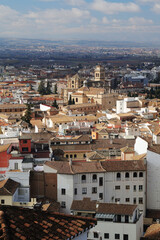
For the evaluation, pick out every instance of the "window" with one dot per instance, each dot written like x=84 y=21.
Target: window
x=63 y=191
x=94 y=178
x=75 y=155
x=127 y=187
x=63 y=204
x=75 y=191
x=101 y=195
x=127 y=199
x=84 y=155
x=66 y=155
x=21 y=191
x=134 y=201
x=141 y=174
x=134 y=188
x=117 y=187
x=2 y=201
x=83 y=178
x=126 y=175
x=25 y=149
x=76 y=99
x=140 y=200
x=140 y=188
x=24 y=141
x=125 y=237
x=101 y=181
x=15 y=166
x=106 y=235
x=84 y=190
x=126 y=218
x=71 y=156
x=95 y=235
x=117 y=236
x=134 y=174
x=118 y=176
x=94 y=190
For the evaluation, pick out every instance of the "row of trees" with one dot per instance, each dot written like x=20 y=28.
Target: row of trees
x=46 y=90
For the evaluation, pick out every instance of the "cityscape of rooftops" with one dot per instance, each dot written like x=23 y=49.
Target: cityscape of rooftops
x=80 y=120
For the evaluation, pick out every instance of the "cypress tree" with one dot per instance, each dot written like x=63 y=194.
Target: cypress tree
x=41 y=88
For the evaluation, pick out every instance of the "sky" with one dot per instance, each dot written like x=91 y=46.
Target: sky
x=123 y=20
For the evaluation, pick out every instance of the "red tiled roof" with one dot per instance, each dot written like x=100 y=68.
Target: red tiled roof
x=109 y=208
x=19 y=223
x=105 y=166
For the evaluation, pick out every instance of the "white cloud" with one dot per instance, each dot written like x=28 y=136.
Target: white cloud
x=149 y=1
x=156 y=8
x=75 y=2
x=140 y=21
x=55 y=16
x=111 y=7
x=94 y=20
x=71 y=23
x=105 y=20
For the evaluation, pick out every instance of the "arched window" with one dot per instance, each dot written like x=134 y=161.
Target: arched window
x=83 y=178
x=118 y=175
x=66 y=155
x=94 y=178
x=141 y=174
x=134 y=174
x=127 y=175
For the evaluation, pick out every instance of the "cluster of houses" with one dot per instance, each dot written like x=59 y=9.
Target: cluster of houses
x=95 y=163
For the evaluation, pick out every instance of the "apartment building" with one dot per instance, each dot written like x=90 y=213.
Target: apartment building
x=114 y=221
x=109 y=181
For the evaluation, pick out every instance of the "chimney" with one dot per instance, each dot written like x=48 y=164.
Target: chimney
x=70 y=161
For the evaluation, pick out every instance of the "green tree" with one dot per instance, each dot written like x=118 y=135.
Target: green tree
x=129 y=94
x=48 y=88
x=41 y=88
x=70 y=100
x=55 y=104
x=27 y=117
x=55 y=89
x=73 y=101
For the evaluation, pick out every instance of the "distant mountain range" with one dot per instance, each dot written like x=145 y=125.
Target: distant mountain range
x=24 y=43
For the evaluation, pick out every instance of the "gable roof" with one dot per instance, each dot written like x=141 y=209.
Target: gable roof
x=19 y=223
x=109 y=208
x=8 y=187
x=96 y=167
x=120 y=166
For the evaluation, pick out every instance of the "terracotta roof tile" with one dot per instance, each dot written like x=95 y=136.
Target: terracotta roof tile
x=40 y=225
x=105 y=166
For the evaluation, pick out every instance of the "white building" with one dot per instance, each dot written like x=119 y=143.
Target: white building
x=19 y=171
x=126 y=105
x=109 y=181
x=114 y=221
x=153 y=177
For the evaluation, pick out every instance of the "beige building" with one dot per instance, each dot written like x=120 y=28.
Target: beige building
x=75 y=82
x=99 y=73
